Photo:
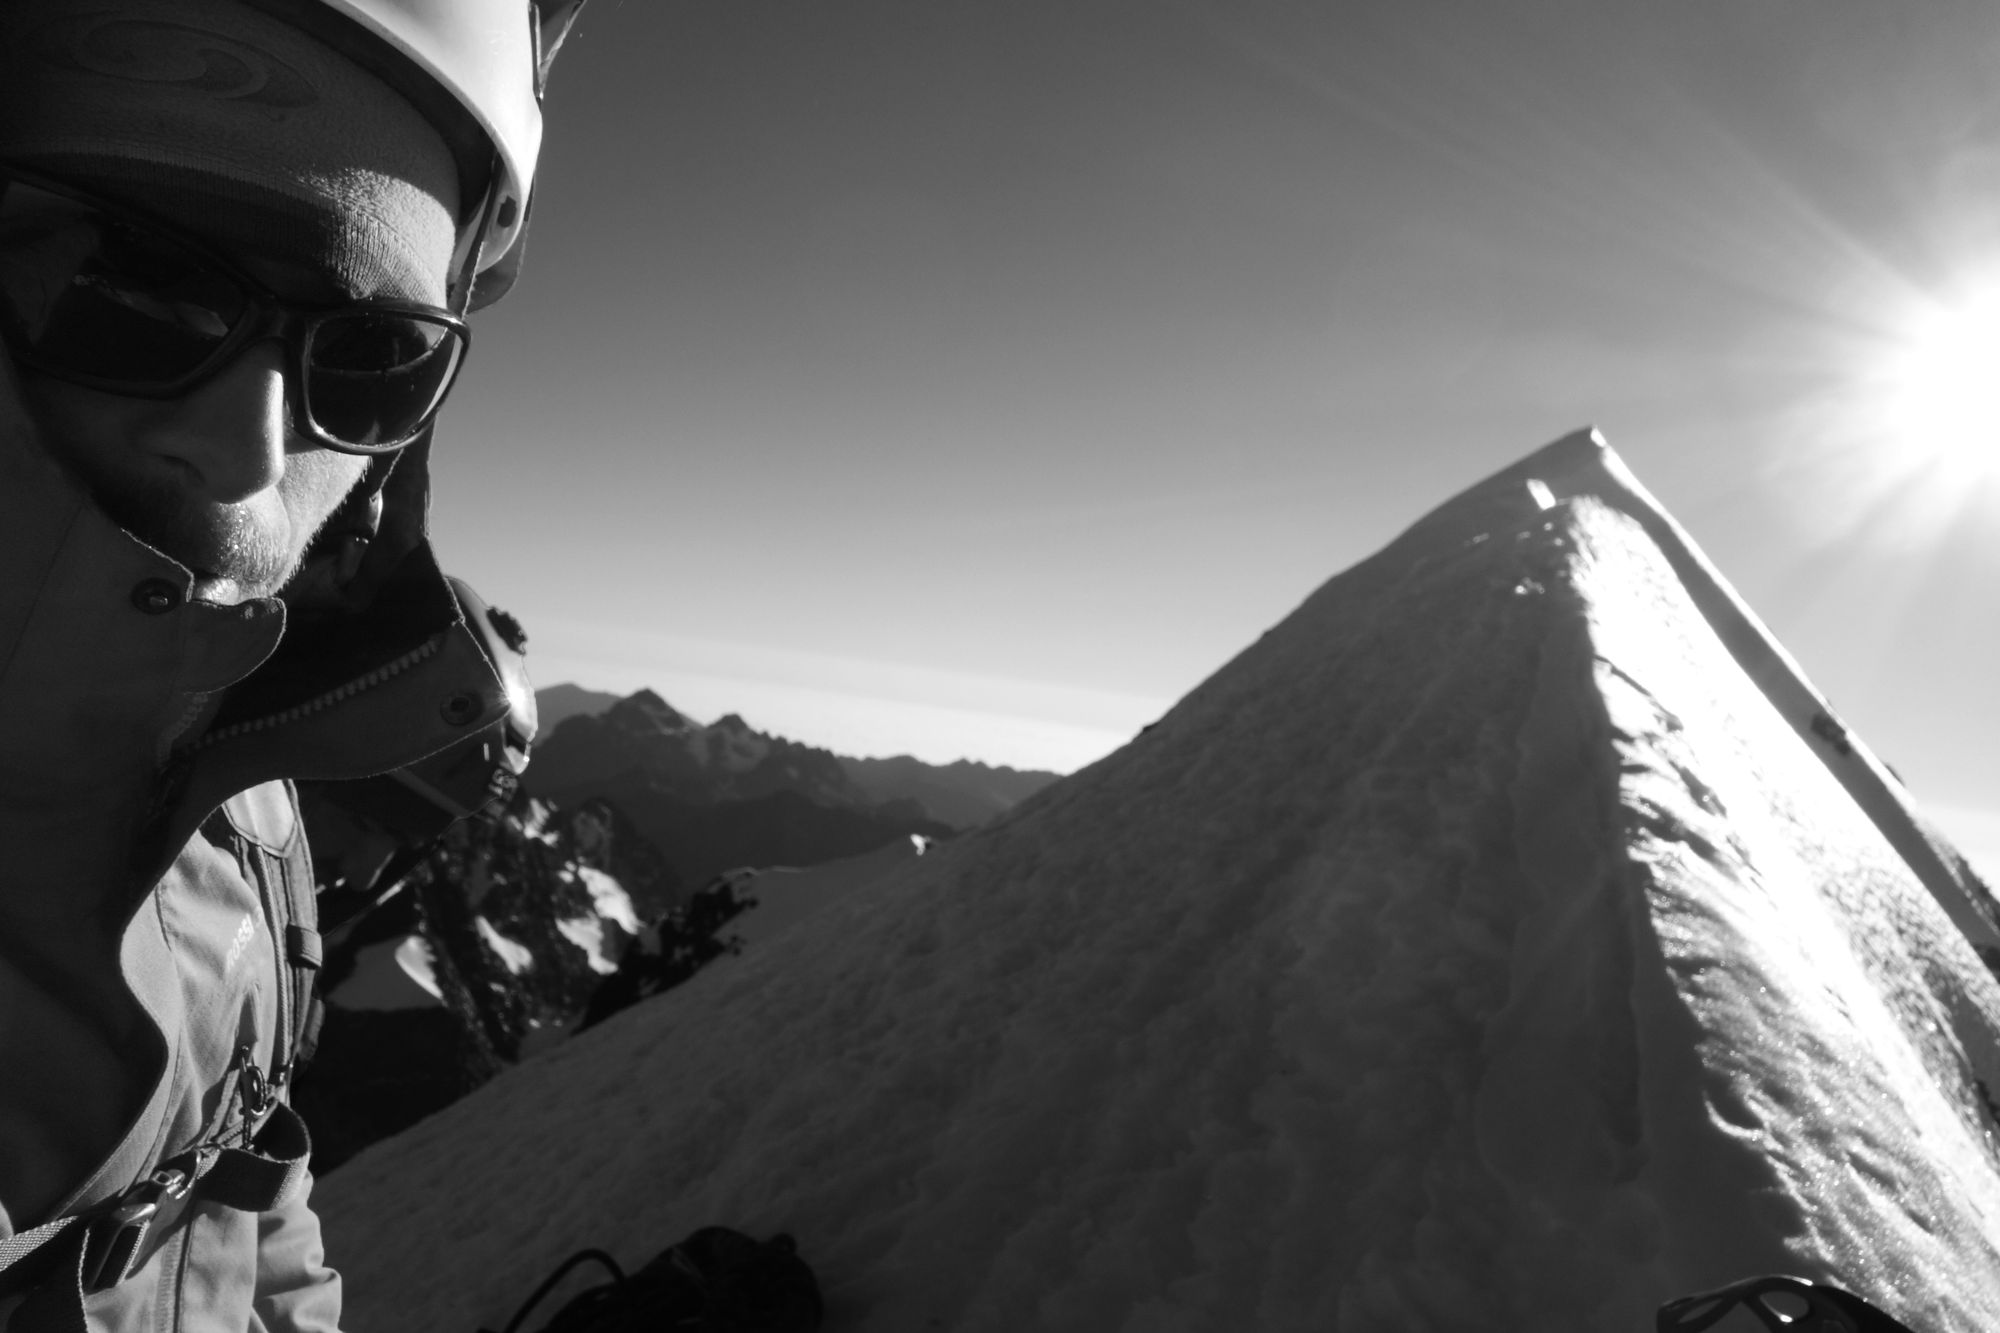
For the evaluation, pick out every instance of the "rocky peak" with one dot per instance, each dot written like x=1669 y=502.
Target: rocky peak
x=645 y=711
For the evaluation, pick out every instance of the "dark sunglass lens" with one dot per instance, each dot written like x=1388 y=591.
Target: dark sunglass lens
x=87 y=296
x=374 y=377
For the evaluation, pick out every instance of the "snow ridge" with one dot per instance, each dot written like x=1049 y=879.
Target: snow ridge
x=1480 y=949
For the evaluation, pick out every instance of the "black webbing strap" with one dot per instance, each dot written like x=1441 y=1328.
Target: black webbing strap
x=269 y=1172
x=298 y=935
x=302 y=948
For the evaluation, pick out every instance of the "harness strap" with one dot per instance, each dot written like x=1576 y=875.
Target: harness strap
x=297 y=933
x=56 y=1304
x=62 y=1262
x=28 y=1256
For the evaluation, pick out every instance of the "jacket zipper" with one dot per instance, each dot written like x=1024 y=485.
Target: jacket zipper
x=388 y=670
x=261 y=1091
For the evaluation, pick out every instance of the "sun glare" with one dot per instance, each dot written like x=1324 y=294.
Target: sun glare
x=1946 y=386
x=1900 y=447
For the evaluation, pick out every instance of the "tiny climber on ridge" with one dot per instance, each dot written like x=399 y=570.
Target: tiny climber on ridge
x=238 y=242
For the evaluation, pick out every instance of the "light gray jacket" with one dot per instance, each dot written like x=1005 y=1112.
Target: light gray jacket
x=145 y=744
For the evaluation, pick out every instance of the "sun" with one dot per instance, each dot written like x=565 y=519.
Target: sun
x=1945 y=387
x=1898 y=445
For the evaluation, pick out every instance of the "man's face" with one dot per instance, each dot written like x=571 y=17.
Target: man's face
x=229 y=123
x=216 y=479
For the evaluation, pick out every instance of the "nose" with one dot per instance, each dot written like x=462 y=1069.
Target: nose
x=229 y=432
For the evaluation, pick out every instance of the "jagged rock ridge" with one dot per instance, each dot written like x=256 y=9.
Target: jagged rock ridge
x=554 y=703
x=642 y=739
x=499 y=935
x=700 y=767
x=964 y=794
x=717 y=797
x=1486 y=947
x=517 y=926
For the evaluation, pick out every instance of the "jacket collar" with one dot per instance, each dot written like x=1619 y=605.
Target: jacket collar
x=123 y=696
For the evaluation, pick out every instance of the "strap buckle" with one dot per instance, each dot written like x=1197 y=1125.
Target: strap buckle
x=114 y=1238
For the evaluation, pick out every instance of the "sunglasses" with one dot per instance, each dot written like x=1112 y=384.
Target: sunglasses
x=98 y=296
x=1782 y=1305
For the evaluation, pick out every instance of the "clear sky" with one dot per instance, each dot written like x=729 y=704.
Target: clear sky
x=972 y=379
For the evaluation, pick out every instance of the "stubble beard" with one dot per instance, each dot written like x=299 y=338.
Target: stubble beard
x=237 y=552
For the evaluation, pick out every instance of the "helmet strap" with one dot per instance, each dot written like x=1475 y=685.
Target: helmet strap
x=459 y=297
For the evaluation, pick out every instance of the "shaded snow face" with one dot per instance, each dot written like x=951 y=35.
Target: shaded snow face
x=1478 y=950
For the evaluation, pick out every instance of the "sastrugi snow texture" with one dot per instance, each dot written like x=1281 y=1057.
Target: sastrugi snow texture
x=1481 y=949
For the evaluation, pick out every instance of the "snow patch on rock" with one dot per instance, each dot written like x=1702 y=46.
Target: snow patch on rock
x=515 y=956
x=588 y=934
x=609 y=897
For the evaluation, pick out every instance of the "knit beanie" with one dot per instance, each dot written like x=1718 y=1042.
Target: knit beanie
x=236 y=127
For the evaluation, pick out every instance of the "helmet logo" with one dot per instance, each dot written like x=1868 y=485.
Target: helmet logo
x=171 y=54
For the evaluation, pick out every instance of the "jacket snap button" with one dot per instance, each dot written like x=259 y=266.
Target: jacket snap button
x=460 y=709
x=156 y=597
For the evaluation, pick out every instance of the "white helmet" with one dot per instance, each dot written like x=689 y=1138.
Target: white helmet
x=490 y=60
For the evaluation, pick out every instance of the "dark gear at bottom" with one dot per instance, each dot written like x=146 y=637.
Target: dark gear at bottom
x=715 y=1281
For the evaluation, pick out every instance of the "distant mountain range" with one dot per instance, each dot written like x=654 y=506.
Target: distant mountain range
x=636 y=822
x=716 y=797
x=962 y=794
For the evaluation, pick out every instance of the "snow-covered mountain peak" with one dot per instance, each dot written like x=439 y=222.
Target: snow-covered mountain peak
x=1499 y=942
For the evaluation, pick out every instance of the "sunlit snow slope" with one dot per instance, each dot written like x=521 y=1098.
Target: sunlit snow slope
x=1481 y=949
